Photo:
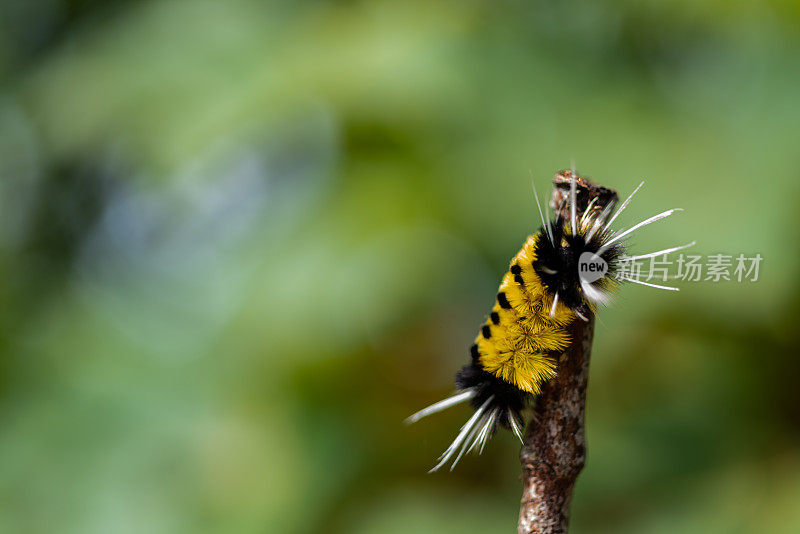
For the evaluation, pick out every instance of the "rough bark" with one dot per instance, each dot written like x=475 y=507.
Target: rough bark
x=554 y=451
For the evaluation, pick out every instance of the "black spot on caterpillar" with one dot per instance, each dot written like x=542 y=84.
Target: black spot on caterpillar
x=503 y=301
x=473 y=350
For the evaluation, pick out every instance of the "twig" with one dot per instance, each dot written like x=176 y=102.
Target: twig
x=554 y=451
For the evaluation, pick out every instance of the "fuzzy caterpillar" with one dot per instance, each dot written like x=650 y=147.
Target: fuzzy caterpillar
x=543 y=291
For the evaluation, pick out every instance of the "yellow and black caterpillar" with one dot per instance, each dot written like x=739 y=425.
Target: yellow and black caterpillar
x=549 y=284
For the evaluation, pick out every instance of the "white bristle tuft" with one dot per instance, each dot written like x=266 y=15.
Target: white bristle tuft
x=637 y=281
x=515 y=426
x=555 y=304
x=635 y=227
x=599 y=221
x=545 y=226
x=573 y=203
x=441 y=405
x=623 y=206
x=658 y=253
x=462 y=435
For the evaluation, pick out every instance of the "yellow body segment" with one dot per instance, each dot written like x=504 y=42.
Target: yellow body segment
x=522 y=335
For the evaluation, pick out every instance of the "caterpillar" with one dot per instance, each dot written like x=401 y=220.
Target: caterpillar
x=563 y=273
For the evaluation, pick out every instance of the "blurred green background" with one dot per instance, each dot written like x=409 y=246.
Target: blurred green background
x=241 y=241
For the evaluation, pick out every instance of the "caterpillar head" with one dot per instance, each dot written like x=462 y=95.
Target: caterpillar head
x=579 y=258
x=578 y=267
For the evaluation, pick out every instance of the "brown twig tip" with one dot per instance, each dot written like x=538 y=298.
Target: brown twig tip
x=554 y=451
x=586 y=192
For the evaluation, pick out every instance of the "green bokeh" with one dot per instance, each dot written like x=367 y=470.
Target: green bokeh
x=241 y=241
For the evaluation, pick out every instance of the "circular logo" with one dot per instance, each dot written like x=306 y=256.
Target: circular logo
x=591 y=267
